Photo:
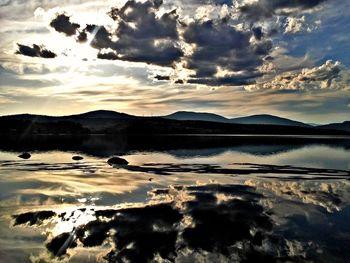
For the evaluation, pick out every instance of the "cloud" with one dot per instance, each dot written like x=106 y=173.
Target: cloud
x=256 y=222
x=223 y=54
x=331 y=75
x=62 y=24
x=108 y=55
x=294 y=25
x=161 y=77
x=141 y=35
x=209 y=51
x=144 y=37
x=217 y=50
x=260 y=9
x=327 y=195
x=33 y=218
x=35 y=51
x=203 y=219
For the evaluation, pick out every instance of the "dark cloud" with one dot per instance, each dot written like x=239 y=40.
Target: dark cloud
x=230 y=80
x=219 y=46
x=62 y=24
x=223 y=2
x=161 y=77
x=35 y=51
x=257 y=31
x=211 y=223
x=82 y=37
x=158 y=229
x=141 y=35
x=59 y=245
x=33 y=218
x=211 y=2
x=267 y=8
x=222 y=55
x=108 y=55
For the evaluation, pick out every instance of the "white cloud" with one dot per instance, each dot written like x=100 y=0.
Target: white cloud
x=294 y=24
x=299 y=24
x=331 y=75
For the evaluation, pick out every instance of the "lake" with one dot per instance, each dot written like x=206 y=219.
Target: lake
x=180 y=199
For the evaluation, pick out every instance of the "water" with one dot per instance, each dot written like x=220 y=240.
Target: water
x=181 y=198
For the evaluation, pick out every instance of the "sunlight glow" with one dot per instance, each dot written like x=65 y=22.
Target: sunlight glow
x=74 y=218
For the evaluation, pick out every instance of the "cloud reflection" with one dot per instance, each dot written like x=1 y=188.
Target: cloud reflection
x=188 y=223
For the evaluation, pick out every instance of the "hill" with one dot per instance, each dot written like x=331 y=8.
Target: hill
x=262 y=119
x=110 y=122
x=102 y=114
x=343 y=126
x=266 y=119
x=196 y=116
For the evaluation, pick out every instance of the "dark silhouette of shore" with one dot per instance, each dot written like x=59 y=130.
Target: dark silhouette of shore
x=27 y=124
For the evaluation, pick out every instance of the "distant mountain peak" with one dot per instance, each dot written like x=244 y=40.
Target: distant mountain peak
x=345 y=126
x=252 y=119
x=103 y=114
x=268 y=119
x=107 y=121
x=196 y=116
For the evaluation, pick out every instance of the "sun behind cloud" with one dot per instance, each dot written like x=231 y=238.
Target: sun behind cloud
x=154 y=57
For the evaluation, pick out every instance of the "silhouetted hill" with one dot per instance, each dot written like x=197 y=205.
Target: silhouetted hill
x=102 y=114
x=96 y=121
x=264 y=119
x=344 y=126
x=167 y=126
x=196 y=116
x=110 y=122
x=27 y=127
x=267 y=119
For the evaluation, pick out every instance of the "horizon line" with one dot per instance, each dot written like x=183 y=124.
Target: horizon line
x=228 y=118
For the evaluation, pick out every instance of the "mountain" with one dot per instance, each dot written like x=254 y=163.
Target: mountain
x=102 y=114
x=253 y=119
x=196 y=116
x=267 y=119
x=110 y=122
x=343 y=126
x=95 y=121
x=98 y=114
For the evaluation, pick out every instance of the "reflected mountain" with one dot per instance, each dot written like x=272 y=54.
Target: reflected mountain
x=178 y=146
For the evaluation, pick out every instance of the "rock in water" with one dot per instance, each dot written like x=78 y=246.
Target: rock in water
x=117 y=161
x=24 y=155
x=77 y=158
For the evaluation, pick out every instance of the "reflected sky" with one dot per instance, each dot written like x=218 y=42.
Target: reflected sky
x=295 y=189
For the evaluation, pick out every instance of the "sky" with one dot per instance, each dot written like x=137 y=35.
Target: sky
x=231 y=57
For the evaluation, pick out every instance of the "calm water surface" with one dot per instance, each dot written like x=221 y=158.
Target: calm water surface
x=180 y=199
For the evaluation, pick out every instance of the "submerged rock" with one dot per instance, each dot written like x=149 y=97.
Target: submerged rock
x=117 y=161
x=24 y=155
x=77 y=158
